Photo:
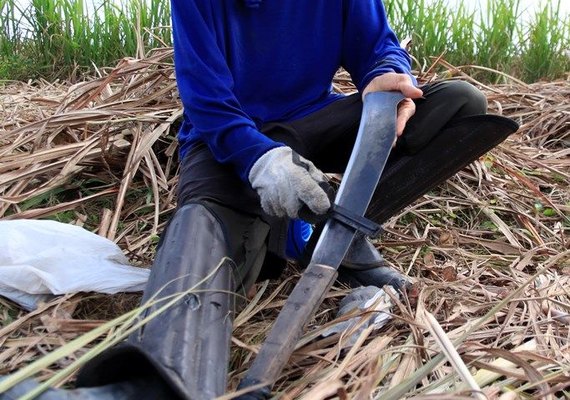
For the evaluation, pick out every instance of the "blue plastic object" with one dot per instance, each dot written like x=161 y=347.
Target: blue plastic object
x=298 y=234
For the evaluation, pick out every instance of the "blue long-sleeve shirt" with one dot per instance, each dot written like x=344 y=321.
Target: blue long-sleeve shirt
x=239 y=66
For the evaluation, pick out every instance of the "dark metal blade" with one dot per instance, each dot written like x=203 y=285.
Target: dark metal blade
x=375 y=138
x=376 y=135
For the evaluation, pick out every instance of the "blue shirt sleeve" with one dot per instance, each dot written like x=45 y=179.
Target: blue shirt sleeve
x=205 y=84
x=370 y=47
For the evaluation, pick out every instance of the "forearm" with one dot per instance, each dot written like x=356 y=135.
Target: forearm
x=370 y=46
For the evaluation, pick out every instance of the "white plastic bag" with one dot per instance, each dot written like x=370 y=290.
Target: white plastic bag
x=41 y=257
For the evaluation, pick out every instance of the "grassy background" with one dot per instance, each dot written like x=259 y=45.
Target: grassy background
x=496 y=36
x=54 y=39
x=66 y=38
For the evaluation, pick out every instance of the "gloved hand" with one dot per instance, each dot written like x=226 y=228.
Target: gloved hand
x=286 y=182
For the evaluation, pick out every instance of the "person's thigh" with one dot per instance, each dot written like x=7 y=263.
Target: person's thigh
x=442 y=103
x=202 y=177
x=328 y=135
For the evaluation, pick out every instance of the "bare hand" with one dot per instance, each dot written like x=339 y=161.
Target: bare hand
x=397 y=82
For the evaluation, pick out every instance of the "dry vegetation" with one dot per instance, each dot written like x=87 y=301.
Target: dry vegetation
x=488 y=251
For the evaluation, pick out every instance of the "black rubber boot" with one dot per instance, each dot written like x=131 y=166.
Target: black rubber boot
x=188 y=345
x=364 y=265
x=127 y=390
x=210 y=252
x=406 y=178
x=362 y=255
x=409 y=176
x=379 y=276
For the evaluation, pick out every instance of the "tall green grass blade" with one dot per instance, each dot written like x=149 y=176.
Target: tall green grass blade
x=66 y=38
x=545 y=50
x=497 y=36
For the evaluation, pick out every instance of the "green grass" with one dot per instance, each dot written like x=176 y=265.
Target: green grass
x=497 y=37
x=547 y=49
x=65 y=38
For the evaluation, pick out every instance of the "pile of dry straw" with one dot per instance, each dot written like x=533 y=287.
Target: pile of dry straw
x=488 y=251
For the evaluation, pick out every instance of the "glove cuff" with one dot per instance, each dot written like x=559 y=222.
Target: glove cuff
x=258 y=168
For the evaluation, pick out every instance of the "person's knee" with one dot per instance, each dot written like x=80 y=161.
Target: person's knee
x=246 y=238
x=474 y=101
x=207 y=232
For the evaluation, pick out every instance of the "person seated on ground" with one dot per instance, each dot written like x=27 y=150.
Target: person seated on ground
x=261 y=125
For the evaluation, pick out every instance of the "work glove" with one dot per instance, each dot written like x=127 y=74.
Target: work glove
x=290 y=185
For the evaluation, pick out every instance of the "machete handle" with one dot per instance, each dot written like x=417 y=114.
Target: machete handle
x=305 y=212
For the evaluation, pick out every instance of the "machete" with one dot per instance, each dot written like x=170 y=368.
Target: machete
x=376 y=135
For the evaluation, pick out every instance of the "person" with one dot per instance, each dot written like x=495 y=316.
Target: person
x=261 y=126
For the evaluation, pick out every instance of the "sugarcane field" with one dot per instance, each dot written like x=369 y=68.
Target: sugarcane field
x=92 y=178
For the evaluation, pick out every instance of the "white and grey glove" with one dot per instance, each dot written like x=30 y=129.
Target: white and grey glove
x=286 y=182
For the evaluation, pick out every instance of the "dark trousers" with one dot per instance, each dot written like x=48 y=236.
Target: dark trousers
x=325 y=137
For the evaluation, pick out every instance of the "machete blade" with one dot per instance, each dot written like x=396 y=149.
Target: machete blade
x=373 y=144
x=376 y=135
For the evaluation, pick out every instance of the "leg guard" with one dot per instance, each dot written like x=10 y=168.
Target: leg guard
x=186 y=348
x=407 y=177
x=363 y=265
x=361 y=255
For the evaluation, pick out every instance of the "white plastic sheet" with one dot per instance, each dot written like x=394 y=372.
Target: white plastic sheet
x=41 y=257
